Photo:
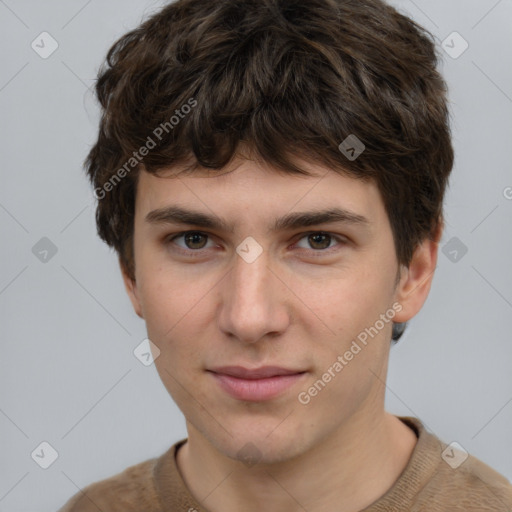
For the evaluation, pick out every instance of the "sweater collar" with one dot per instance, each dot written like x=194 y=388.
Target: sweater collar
x=174 y=494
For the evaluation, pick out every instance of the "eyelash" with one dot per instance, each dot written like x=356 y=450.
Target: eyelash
x=199 y=252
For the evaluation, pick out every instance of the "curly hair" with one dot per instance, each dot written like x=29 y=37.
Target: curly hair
x=198 y=80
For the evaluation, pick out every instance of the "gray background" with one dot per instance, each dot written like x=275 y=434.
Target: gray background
x=67 y=369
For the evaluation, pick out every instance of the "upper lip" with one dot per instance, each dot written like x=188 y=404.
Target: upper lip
x=255 y=373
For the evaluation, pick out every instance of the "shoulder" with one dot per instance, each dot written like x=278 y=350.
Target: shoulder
x=130 y=490
x=472 y=486
x=463 y=482
x=441 y=477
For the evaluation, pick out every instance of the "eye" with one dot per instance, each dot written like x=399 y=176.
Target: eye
x=320 y=241
x=193 y=240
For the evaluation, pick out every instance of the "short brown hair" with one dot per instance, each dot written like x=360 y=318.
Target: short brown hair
x=287 y=78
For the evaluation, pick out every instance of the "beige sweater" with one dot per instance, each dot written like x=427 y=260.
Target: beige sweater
x=429 y=483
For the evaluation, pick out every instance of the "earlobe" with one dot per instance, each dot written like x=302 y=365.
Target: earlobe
x=415 y=281
x=131 y=288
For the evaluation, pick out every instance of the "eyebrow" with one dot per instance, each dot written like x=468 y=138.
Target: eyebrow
x=179 y=215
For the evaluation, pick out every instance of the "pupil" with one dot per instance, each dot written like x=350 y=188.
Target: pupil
x=315 y=239
x=191 y=239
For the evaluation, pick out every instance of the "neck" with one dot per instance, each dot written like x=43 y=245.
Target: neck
x=347 y=471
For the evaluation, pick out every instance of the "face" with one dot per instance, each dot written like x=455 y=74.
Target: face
x=272 y=316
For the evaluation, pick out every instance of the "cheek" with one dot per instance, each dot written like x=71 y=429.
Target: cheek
x=174 y=326
x=351 y=302
x=168 y=299
x=177 y=312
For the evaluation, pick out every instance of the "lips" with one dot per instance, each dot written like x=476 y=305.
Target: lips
x=256 y=384
x=257 y=373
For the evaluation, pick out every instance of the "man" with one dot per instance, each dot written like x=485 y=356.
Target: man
x=271 y=174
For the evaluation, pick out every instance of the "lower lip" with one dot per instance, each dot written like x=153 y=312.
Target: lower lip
x=256 y=390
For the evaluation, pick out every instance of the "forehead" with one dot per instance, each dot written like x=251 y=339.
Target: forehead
x=247 y=190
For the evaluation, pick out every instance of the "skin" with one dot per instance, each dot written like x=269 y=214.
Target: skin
x=299 y=305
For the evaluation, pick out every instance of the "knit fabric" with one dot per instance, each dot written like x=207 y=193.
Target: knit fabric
x=434 y=480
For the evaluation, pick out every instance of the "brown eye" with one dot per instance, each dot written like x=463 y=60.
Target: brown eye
x=319 y=240
x=319 y=243
x=189 y=241
x=195 y=240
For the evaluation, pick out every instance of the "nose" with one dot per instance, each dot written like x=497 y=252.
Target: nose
x=254 y=302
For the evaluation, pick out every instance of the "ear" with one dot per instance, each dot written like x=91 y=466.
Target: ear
x=415 y=281
x=131 y=288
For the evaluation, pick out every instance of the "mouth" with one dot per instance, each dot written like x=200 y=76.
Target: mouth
x=255 y=385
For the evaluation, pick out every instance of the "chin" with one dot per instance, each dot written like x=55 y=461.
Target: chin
x=251 y=445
